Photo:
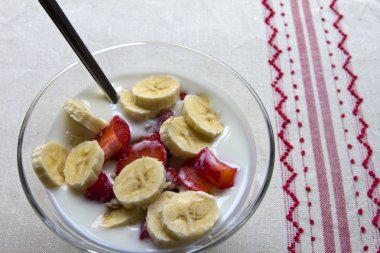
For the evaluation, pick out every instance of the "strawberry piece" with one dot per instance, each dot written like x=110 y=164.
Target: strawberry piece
x=153 y=137
x=191 y=180
x=120 y=153
x=144 y=234
x=172 y=177
x=153 y=149
x=114 y=136
x=213 y=170
x=101 y=190
x=109 y=141
x=122 y=130
x=161 y=119
x=182 y=95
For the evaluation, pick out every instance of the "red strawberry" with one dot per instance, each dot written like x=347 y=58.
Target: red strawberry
x=101 y=190
x=144 y=231
x=191 y=180
x=172 y=177
x=119 y=154
x=121 y=129
x=114 y=136
x=182 y=95
x=109 y=141
x=161 y=119
x=143 y=148
x=213 y=170
x=153 y=137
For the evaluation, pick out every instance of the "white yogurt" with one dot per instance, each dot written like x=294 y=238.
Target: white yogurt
x=234 y=146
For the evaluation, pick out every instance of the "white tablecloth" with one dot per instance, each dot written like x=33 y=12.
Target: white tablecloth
x=336 y=183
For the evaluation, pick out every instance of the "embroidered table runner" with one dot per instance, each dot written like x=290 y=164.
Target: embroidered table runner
x=325 y=155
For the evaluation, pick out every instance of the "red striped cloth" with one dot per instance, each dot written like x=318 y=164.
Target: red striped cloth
x=325 y=156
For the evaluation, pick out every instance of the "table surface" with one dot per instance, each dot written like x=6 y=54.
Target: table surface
x=313 y=63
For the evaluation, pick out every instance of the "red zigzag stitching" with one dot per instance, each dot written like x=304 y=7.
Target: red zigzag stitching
x=363 y=131
x=286 y=121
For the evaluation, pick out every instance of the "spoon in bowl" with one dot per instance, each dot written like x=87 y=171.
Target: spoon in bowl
x=63 y=24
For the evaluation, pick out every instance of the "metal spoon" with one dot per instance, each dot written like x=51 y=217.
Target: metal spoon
x=63 y=24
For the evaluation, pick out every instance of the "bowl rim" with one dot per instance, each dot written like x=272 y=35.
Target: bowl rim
x=246 y=215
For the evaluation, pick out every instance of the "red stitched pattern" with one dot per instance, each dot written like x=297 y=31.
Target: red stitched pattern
x=285 y=121
x=362 y=137
x=341 y=104
x=298 y=118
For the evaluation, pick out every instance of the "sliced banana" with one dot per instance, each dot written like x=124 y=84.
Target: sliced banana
x=140 y=182
x=83 y=165
x=80 y=113
x=48 y=162
x=134 y=111
x=189 y=215
x=122 y=216
x=201 y=117
x=156 y=92
x=181 y=140
x=154 y=220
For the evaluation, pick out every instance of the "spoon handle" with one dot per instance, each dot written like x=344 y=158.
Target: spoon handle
x=72 y=37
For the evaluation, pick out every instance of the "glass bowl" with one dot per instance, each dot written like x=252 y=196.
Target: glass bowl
x=137 y=58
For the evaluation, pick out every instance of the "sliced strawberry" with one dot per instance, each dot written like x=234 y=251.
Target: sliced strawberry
x=172 y=177
x=153 y=137
x=143 y=148
x=114 y=136
x=213 y=170
x=101 y=190
x=182 y=95
x=120 y=153
x=161 y=119
x=109 y=141
x=122 y=130
x=144 y=234
x=191 y=180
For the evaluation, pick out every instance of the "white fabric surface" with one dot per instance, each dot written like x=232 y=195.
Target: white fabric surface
x=32 y=51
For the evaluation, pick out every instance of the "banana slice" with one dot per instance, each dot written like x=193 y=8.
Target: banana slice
x=181 y=139
x=201 y=117
x=154 y=217
x=189 y=215
x=156 y=92
x=83 y=165
x=80 y=113
x=122 y=216
x=134 y=111
x=48 y=162
x=140 y=182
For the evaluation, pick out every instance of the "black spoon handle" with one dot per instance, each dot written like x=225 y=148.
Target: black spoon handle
x=72 y=37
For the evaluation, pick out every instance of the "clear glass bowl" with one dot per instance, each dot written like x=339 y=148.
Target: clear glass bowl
x=137 y=58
